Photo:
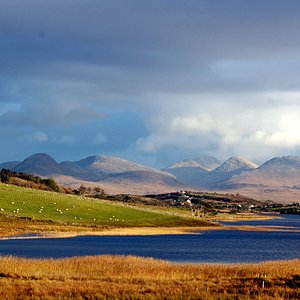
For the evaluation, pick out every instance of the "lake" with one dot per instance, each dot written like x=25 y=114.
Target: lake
x=292 y=221
x=216 y=246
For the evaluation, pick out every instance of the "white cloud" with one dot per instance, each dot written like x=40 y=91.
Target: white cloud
x=38 y=136
x=254 y=125
x=67 y=139
x=100 y=139
x=284 y=133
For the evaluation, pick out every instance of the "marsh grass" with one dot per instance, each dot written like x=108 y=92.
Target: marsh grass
x=128 y=277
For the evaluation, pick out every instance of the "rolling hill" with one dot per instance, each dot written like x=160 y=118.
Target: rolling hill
x=31 y=204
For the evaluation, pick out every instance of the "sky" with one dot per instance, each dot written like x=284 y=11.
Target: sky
x=152 y=81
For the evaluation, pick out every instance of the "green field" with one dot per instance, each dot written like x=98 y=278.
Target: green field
x=43 y=205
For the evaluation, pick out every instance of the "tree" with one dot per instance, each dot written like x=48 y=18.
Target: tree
x=4 y=175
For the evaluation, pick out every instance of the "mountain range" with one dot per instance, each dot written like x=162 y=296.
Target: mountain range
x=277 y=179
x=192 y=173
x=115 y=175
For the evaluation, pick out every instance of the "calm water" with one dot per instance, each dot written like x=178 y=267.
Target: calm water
x=208 y=246
x=283 y=220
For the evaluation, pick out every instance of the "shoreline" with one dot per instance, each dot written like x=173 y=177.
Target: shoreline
x=144 y=231
x=135 y=231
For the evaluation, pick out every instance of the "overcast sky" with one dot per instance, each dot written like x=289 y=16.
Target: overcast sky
x=153 y=81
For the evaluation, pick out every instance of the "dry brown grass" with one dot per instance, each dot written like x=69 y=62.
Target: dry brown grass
x=127 y=277
x=10 y=225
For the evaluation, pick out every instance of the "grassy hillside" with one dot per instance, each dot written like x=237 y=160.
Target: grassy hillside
x=43 y=205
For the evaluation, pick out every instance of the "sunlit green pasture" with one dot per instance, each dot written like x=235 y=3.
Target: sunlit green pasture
x=43 y=205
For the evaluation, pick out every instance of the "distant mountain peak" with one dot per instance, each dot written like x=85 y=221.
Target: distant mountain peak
x=207 y=162
x=111 y=164
x=283 y=160
x=38 y=163
x=283 y=164
x=236 y=163
x=187 y=171
x=40 y=158
x=184 y=164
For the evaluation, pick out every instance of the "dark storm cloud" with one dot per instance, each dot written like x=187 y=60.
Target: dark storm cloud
x=175 y=39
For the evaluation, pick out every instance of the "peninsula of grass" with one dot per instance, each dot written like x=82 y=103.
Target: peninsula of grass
x=128 y=277
x=32 y=210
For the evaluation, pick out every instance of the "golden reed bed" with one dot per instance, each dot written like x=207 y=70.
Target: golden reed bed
x=127 y=277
